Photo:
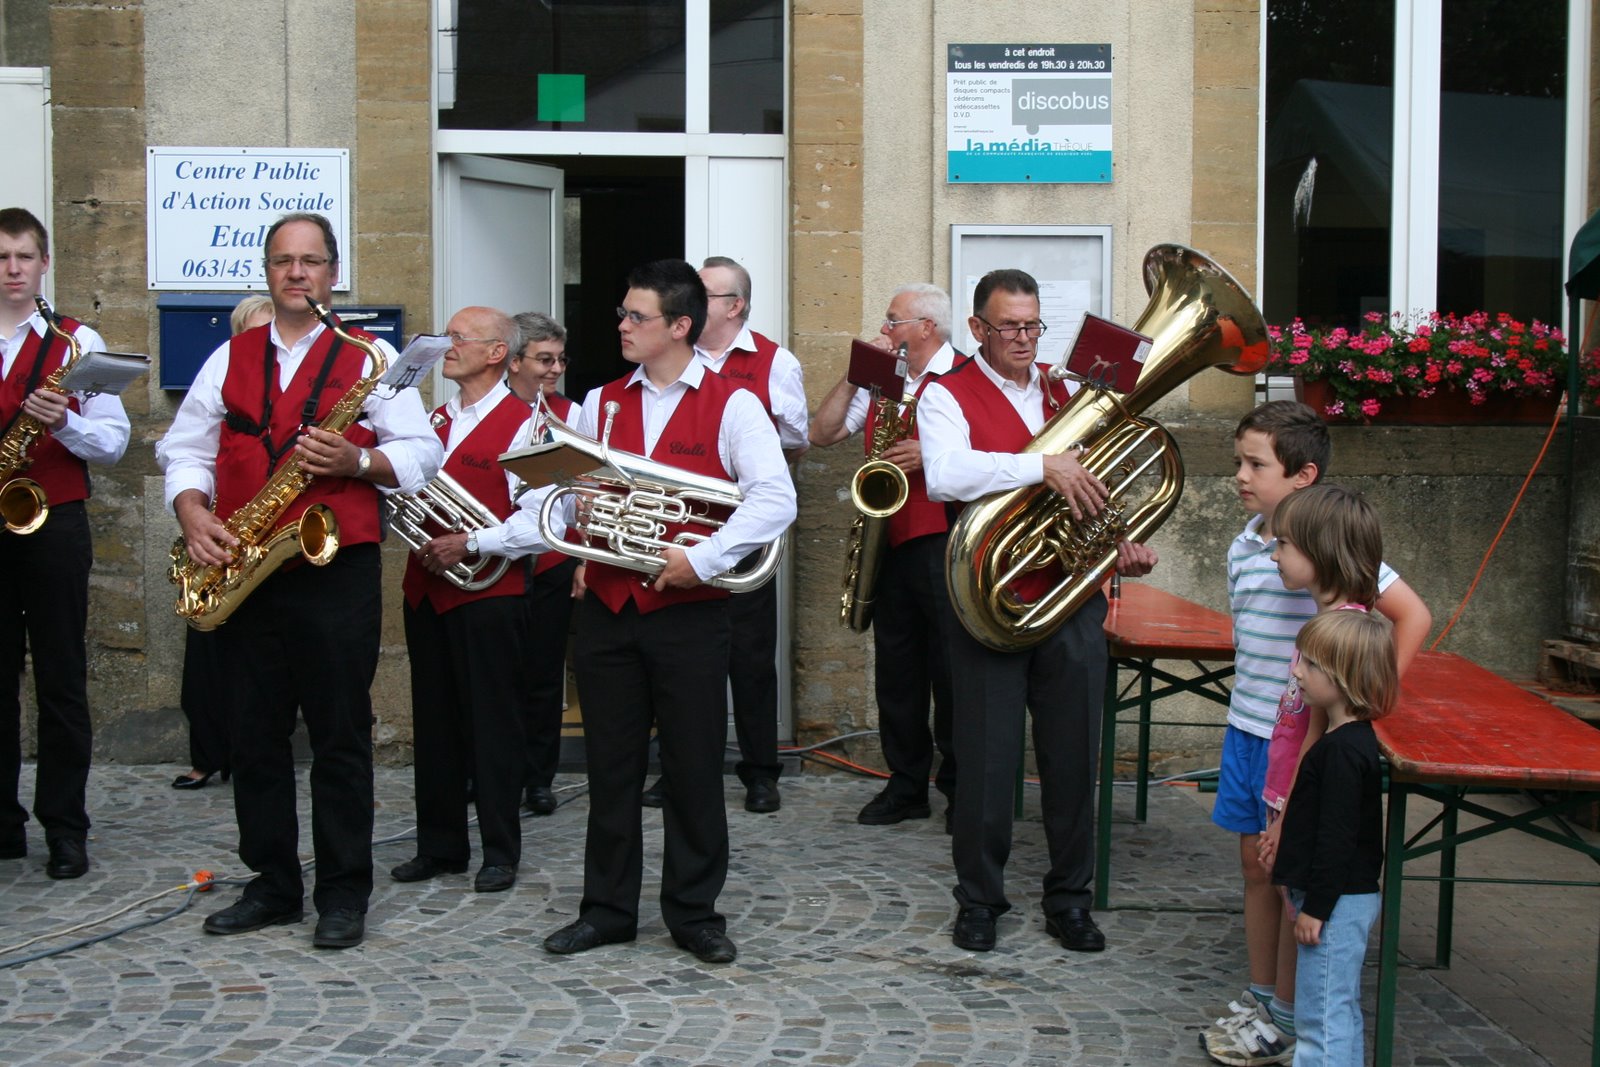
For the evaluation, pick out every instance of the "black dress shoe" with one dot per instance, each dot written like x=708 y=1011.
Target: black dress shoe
x=339 y=928
x=761 y=796
x=185 y=781
x=886 y=808
x=245 y=915
x=68 y=858
x=656 y=795
x=1076 y=930
x=708 y=946
x=974 y=928
x=494 y=879
x=580 y=937
x=539 y=800
x=421 y=868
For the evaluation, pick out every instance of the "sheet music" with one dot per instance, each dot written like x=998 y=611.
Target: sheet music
x=419 y=356
x=105 y=372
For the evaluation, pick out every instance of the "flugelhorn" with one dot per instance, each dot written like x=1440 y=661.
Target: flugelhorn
x=23 y=503
x=447 y=505
x=1197 y=317
x=878 y=489
x=625 y=506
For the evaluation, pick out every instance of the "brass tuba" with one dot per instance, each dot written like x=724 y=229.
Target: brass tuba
x=207 y=595
x=878 y=489
x=1197 y=317
x=23 y=504
x=625 y=502
x=445 y=503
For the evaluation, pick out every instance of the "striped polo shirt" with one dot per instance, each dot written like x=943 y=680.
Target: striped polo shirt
x=1266 y=619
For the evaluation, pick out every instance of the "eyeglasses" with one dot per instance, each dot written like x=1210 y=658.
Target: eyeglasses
x=1009 y=333
x=308 y=262
x=549 y=361
x=458 y=340
x=892 y=323
x=634 y=317
x=722 y=296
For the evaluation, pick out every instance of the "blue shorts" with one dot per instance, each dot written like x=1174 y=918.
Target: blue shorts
x=1239 y=806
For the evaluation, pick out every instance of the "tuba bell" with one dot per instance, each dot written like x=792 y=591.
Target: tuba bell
x=1197 y=317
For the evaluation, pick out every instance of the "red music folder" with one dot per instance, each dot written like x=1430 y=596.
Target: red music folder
x=873 y=368
x=1108 y=355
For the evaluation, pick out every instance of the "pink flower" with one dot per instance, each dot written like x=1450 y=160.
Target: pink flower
x=1370 y=407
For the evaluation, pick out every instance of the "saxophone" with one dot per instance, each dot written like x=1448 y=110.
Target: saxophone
x=208 y=594
x=23 y=504
x=878 y=489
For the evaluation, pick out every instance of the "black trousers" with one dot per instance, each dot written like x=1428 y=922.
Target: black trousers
x=469 y=691
x=205 y=695
x=753 y=677
x=44 y=607
x=908 y=621
x=307 y=639
x=1062 y=683
x=550 y=618
x=665 y=669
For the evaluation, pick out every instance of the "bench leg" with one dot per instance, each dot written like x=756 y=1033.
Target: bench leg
x=1141 y=804
x=1108 y=765
x=1389 y=941
x=1447 y=891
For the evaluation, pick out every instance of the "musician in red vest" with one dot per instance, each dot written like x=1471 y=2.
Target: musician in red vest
x=306 y=639
x=911 y=605
x=44 y=596
x=755 y=362
x=973 y=423
x=655 y=651
x=535 y=370
x=469 y=650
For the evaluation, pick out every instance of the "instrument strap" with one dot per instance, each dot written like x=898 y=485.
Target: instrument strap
x=35 y=373
x=263 y=429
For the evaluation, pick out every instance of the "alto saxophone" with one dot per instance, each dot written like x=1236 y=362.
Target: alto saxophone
x=23 y=504
x=878 y=489
x=208 y=594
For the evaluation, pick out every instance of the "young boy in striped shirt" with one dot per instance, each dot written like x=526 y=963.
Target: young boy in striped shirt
x=1280 y=447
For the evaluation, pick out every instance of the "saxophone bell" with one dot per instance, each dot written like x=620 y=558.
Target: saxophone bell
x=23 y=505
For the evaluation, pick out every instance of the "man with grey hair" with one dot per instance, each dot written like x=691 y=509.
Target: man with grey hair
x=911 y=601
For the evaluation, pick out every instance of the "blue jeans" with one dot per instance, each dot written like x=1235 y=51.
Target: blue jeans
x=1327 y=1000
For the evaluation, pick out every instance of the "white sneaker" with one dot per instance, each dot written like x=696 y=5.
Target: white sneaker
x=1241 y=1012
x=1248 y=1038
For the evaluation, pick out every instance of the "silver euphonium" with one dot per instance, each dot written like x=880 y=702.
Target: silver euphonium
x=624 y=504
x=449 y=508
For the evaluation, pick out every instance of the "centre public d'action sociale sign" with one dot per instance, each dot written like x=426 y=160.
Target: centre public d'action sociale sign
x=209 y=210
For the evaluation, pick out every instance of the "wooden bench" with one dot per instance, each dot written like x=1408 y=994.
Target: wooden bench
x=1145 y=625
x=1460 y=727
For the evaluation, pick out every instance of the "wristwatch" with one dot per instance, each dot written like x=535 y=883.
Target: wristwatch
x=472 y=543
x=363 y=463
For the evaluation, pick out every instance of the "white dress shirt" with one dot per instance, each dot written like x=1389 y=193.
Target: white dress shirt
x=188 y=453
x=786 y=388
x=861 y=400
x=97 y=432
x=957 y=471
x=749 y=450
x=518 y=536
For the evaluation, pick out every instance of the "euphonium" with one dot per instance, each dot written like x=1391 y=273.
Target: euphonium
x=878 y=489
x=1197 y=317
x=446 y=504
x=625 y=503
x=23 y=503
x=207 y=595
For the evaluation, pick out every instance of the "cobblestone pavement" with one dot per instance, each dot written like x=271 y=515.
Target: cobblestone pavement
x=844 y=953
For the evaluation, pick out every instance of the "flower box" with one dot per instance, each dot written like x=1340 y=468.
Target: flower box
x=1447 y=407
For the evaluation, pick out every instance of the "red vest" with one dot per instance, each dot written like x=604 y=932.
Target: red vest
x=243 y=462
x=473 y=464
x=753 y=370
x=994 y=426
x=688 y=442
x=920 y=516
x=567 y=411
x=63 y=476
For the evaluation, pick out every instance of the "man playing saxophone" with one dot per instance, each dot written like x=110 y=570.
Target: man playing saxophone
x=911 y=603
x=973 y=422
x=655 y=651
x=307 y=637
x=44 y=598
x=470 y=677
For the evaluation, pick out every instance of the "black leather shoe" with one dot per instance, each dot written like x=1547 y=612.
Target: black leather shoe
x=974 y=928
x=539 y=800
x=580 y=937
x=187 y=781
x=339 y=928
x=246 y=915
x=68 y=858
x=886 y=809
x=761 y=796
x=14 y=848
x=1076 y=930
x=421 y=868
x=708 y=946
x=494 y=879
x=656 y=795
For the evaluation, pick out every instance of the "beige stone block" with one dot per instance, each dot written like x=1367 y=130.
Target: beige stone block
x=98 y=155
x=96 y=249
x=827 y=188
x=826 y=60
x=395 y=269
x=1231 y=246
x=827 y=7
x=1216 y=393
x=392 y=51
x=392 y=154
x=106 y=49
x=1226 y=46
x=826 y=283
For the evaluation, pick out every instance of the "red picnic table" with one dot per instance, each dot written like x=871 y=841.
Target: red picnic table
x=1459 y=728
x=1143 y=625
